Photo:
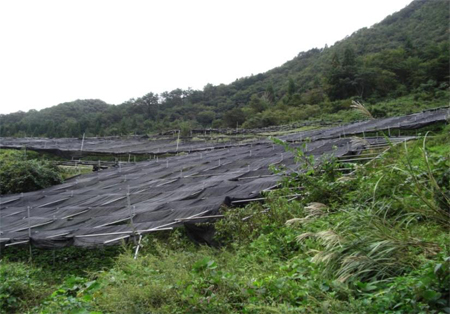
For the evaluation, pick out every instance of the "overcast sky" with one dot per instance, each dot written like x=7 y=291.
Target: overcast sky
x=58 y=51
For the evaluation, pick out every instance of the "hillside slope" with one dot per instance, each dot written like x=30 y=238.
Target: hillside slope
x=398 y=65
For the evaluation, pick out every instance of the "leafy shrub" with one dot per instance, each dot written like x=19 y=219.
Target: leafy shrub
x=19 y=174
x=20 y=287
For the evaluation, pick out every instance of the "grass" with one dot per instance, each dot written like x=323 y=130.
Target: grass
x=280 y=133
x=68 y=172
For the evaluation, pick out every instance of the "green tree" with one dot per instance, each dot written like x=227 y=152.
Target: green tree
x=234 y=118
x=257 y=104
x=206 y=117
x=150 y=102
x=291 y=87
x=342 y=78
x=270 y=93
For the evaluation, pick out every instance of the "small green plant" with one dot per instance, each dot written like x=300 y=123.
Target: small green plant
x=425 y=290
x=20 y=287
x=73 y=296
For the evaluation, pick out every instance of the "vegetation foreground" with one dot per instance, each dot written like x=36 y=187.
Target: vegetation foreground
x=374 y=241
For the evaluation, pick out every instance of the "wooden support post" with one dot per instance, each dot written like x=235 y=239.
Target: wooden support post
x=82 y=143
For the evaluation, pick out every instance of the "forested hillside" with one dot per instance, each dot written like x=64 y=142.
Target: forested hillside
x=397 y=66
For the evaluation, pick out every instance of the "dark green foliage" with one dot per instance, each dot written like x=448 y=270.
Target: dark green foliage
x=19 y=173
x=291 y=87
x=205 y=118
x=257 y=104
x=70 y=119
x=72 y=296
x=425 y=290
x=64 y=262
x=234 y=118
x=20 y=287
x=55 y=279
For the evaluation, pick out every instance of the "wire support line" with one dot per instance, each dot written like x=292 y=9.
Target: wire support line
x=107 y=234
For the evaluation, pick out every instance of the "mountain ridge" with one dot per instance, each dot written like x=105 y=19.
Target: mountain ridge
x=404 y=55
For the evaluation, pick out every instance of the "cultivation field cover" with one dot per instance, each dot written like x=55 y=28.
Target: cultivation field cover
x=105 y=207
x=144 y=145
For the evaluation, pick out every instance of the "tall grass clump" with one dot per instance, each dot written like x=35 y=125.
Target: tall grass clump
x=366 y=246
x=429 y=182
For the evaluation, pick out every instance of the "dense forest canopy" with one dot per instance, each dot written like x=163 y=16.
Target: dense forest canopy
x=405 y=55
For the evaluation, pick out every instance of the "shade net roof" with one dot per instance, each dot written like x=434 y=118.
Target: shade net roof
x=104 y=207
x=114 y=145
x=77 y=147
x=408 y=122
